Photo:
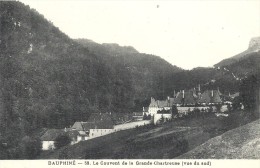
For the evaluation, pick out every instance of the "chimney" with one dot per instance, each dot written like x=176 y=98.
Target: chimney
x=199 y=88
x=143 y=109
x=183 y=94
x=168 y=98
x=65 y=129
x=212 y=93
x=174 y=94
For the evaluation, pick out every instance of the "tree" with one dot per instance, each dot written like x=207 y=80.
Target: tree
x=145 y=116
x=248 y=89
x=218 y=107
x=211 y=109
x=149 y=117
x=61 y=141
x=175 y=111
x=63 y=154
x=229 y=107
x=161 y=120
x=196 y=112
x=237 y=103
x=30 y=147
x=202 y=110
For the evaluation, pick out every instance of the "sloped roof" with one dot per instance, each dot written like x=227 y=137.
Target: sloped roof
x=205 y=97
x=161 y=103
x=210 y=96
x=98 y=125
x=171 y=101
x=88 y=125
x=96 y=117
x=189 y=97
x=77 y=126
x=51 y=134
x=101 y=120
x=234 y=95
x=178 y=99
x=84 y=126
x=104 y=125
x=119 y=118
x=216 y=97
x=95 y=121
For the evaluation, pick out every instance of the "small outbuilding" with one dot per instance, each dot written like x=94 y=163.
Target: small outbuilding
x=48 y=138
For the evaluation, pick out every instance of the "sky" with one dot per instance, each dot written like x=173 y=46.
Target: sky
x=185 y=33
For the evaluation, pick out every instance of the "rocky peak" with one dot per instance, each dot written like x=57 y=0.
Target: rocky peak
x=254 y=43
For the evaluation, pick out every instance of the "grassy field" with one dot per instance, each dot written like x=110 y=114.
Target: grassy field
x=165 y=141
x=239 y=143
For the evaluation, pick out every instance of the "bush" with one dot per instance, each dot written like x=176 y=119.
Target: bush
x=175 y=112
x=61 y=141
x=218 y=107
x=30 y=148
x=229 y=108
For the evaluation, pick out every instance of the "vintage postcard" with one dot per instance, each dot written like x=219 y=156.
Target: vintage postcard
x=130 y=83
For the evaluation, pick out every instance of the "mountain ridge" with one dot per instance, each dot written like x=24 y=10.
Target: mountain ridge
x=48 y=80
x=253 y=47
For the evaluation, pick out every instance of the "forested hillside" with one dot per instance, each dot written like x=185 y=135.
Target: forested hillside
x=226 y=78
x=148 y=73
x=48 y=80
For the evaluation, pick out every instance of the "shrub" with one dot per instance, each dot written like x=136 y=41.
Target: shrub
x=30 y=148
x=61 y=141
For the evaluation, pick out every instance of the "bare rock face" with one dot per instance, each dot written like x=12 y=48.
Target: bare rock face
x=254 y=44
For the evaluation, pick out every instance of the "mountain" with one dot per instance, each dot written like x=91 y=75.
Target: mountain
x=148 y=72
x=48 y=80
x=254 y=47
x=227 y=75
x=227 y=78
x=244 y=65
x=107 y=49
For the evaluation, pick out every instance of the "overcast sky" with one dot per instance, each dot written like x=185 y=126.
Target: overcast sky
x=185 y=33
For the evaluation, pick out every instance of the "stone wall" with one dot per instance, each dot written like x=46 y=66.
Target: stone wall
x=131 y=125
x=157 y=117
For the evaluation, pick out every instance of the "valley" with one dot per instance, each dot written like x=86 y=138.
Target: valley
x=51 y=86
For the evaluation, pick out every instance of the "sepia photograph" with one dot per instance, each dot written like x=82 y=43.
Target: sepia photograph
x=115 y=81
